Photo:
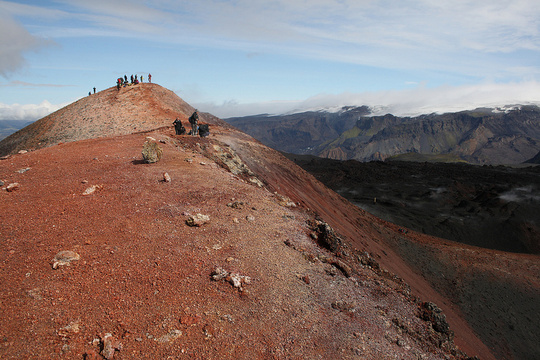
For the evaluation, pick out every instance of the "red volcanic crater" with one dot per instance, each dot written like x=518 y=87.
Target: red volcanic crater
x=223 y=249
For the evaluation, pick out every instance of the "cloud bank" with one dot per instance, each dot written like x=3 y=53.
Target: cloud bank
x=29 y=112
x=412 y=102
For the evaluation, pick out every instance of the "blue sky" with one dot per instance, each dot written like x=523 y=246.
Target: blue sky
x=240 y=57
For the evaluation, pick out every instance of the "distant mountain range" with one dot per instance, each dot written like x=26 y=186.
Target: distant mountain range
x=8 y=127
x=509 y=135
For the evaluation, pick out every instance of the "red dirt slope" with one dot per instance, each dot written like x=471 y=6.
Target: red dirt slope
x=144 y=275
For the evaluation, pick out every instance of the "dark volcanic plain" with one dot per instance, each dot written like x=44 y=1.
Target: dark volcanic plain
x=282 y=267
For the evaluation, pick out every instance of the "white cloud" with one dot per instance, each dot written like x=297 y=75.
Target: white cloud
x=15 y=40
x=411 y=102
x=421 y=34
x=30 y=112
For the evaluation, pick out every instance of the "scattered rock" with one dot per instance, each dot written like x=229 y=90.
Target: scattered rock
x=343 y=306
x=367 y=260
x=22 y=151
x=198 y=220
x=188 y=160
x=219 y=274
x=250 y=218
x=432 y=313
x=1 y=183
x=35 y=294
x=208 y=331
x=166 y=177
x=12 y=187
x=171 y=336
x=151 y=152
x=110 y=345
x=236 y=204
x=234 y=279
x=256 y=181
x=64 y=258
x=22 y=171
x=68 y=330
x=238 y=280
x=284 y=200
x=326 y=236
x=92 y=189
x=345 y=268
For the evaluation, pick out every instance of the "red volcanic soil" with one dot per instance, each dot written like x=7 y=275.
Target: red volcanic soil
x=259 y=279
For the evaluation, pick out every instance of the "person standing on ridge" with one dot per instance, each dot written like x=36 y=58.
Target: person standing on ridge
x=194 y=121
x=149 y=78
x=94 y=89
x=180 y=129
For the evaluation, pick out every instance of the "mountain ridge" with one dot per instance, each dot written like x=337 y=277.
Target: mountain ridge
x=147 y=278
x=508 y=135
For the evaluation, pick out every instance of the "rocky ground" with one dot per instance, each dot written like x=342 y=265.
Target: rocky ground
x=223 y=249
x=485 y=206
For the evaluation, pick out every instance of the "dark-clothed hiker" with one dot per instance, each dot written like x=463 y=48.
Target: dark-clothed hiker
x=180 y=129
x=194 y=121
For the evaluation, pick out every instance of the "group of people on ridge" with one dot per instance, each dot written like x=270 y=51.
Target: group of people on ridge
x=123 y=81
x=196 y=129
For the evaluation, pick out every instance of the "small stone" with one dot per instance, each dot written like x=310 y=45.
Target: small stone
x=64 y=258
x=171 y=336
x=343 y=306
x=22 y=171
x=236 y=204
x=166 y=177
x=35 y=294
x=238 y=280
x=12 y=187
x=219 y=273
x=256 y=181
x=208 y=331
x=22 y=151
x=198 y=220
x=110 y=345
x=250 y=218
x=72 y=328
x=1 y=183
x=151 y=152
x=284 y=200
x=92 y=189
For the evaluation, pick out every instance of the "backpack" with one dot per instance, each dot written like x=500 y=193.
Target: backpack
x=204 y=130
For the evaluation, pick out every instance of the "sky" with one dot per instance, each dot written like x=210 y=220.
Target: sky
x=244 y=57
